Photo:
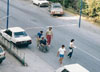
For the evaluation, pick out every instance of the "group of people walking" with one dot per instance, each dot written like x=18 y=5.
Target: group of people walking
x=41 y=38
x=46 y=42
x=62 y=51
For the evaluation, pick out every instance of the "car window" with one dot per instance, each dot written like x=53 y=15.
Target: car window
x=8 y=32
x=64 y=70
x=18 y=34
x=56 y=6
x=1 y=50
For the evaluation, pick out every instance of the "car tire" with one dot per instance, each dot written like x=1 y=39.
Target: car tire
x=0 y=61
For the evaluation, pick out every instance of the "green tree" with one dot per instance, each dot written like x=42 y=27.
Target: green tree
x=67 y=3
x=92 y=8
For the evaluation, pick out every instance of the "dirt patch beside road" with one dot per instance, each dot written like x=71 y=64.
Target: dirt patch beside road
x=89 y=19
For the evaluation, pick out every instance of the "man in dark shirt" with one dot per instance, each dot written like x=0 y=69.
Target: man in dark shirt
x=43 y=44
x=43 y=41
x=39 y=34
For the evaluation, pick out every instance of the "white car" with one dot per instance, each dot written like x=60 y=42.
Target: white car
x=72 y=68
x=2 y=54
x=56 y=9
x=41 y=2
x=17 y=36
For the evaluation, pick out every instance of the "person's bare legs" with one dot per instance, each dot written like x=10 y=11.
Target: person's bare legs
x=60 y=60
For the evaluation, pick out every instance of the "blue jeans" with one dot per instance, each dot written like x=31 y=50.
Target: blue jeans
x=70 y=53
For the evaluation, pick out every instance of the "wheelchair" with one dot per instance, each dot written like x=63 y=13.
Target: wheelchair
x=43 y=48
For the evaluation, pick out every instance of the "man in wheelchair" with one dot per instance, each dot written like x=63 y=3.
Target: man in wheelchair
x=43 y=45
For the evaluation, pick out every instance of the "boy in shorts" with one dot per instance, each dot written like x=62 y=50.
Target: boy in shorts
x=61 y=52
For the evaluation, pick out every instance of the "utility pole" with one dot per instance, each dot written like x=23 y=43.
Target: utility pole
x=64 y=3
x=7 y=14
x=80 y=13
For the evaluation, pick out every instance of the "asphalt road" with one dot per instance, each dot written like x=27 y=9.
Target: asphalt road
x=9 y=63
x=33 y=19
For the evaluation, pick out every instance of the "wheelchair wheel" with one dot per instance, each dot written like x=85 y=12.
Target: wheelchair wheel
x=43 y=49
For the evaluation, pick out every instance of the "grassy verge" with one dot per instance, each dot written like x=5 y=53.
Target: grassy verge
x=90 y=19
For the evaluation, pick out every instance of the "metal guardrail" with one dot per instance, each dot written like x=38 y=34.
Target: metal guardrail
x=12 y=49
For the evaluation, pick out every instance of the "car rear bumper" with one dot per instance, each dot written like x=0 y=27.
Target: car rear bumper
x=23 y=43
x=57 y=13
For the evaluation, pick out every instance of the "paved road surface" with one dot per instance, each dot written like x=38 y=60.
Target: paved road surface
x=9 y=64
x=33 y=19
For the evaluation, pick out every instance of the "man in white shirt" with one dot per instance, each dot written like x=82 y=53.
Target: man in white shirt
x=61 y=53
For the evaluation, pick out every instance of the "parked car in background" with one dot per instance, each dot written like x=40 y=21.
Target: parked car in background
x=2 y=54
x=17 y=36
x=72 y=68
x=56 y=9
x=41 y=2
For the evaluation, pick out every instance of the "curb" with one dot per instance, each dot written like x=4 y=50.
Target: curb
x=22 y=61
x=17 y=57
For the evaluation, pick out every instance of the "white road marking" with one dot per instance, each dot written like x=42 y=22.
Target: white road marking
x=33 y=28
x=4 y=17
x=89 y=54
x=1 y=27
x=50 y=26
x=69 y=18
x=65 y=25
